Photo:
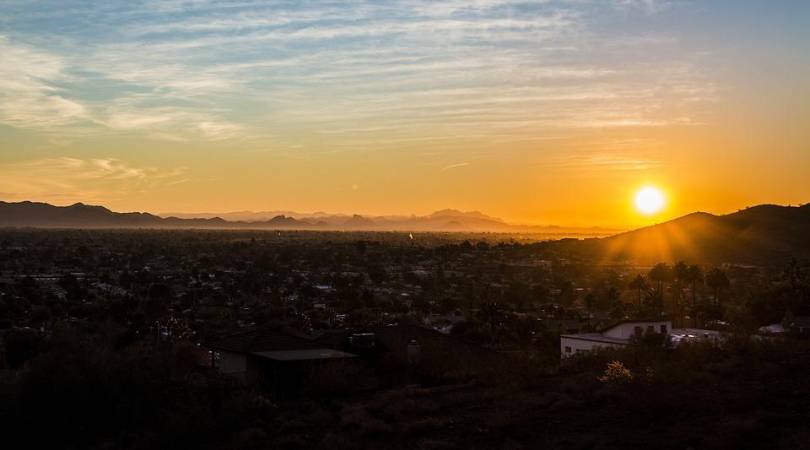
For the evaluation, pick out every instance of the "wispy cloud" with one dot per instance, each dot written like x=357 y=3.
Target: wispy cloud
x=454 y=166
x=67 y=179
x=218 y=71
x=603 y=162
x=29 y=91
x=650 y=6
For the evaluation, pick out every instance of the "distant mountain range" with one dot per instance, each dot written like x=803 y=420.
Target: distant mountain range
x=44 y=215
x=444 y=220
x=755 y=235
x=79 y=215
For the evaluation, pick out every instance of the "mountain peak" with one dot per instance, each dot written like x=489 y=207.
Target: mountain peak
x=358 y=220
x=449 y=212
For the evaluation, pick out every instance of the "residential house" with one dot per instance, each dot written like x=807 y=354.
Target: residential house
x=614 y=336
x=277 y=358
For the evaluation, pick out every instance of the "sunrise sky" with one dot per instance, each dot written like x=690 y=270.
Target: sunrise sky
x=540 y=112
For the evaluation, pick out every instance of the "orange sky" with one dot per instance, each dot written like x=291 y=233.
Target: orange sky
x=541 y=113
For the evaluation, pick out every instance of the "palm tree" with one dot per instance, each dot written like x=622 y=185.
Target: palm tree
x=589 y=302
x=639 y=284
x=681 y=271
x=613 y=301
x=717 y=280
x=681 y=274
x=613 y=296
x=661 y=273
x=694 y=275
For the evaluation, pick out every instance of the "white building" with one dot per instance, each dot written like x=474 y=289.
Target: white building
x=615 y=336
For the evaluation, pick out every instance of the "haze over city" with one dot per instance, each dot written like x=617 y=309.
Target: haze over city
x=536 y=112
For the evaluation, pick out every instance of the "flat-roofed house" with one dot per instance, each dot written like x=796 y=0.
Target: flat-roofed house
x=277 y=358
x=615 y=336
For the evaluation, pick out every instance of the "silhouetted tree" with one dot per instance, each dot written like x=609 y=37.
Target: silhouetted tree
x=681 y=276
x=491 y=316
x=640 y=285
x=72 y=287
x=717 y=280
x=694 y=275
x=589 y=300
x=661 y=273
x=613 y=302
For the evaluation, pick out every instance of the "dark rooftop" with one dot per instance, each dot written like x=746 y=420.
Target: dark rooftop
x=304 y=355
x=265 y=341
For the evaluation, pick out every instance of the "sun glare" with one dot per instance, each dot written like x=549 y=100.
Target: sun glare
x=650 y=200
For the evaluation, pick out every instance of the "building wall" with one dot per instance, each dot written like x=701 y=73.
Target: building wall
x=627 y=330
x=579 y=345
x=232 y=363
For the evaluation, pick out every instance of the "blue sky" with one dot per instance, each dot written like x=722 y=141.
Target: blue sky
x=222 y=68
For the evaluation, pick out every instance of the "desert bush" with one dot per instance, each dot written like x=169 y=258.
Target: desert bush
x=617 y=374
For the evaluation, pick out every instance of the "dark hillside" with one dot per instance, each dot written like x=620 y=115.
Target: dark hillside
x=755 y=235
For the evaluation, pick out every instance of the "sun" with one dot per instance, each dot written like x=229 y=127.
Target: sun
x=650 y=200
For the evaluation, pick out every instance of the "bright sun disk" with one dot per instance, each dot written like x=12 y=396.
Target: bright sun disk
x=650 y=200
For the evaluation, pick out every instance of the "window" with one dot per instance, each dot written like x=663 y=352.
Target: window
x=650 y=329
x=663 y=329
x=637 y=331
x=567 y=349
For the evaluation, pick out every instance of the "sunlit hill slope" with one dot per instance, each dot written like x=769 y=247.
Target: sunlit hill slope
x=754 y=235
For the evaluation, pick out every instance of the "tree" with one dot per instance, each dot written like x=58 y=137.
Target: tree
x=539 y=293
x=681 y=272
x=694 y=275
x=661 y=273
x=567 y=293
x=681 y=276
x=612 y=298
x=491 y=316
x=717 y=280
x=518 y=294
x=590 y=300
x=72 y=287
x=616 y=373
x=639 y=284
x=614 y=303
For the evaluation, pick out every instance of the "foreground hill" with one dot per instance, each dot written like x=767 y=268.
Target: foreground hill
x=754 y=235
x=748 y=395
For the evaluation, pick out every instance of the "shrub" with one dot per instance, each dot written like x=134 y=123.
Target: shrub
x=616 y=373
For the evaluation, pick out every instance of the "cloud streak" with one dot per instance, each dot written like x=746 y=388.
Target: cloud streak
x=454 y=166
x=223 y=71
x=68 y=179
x=28 y=93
